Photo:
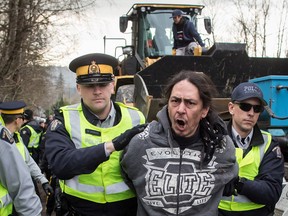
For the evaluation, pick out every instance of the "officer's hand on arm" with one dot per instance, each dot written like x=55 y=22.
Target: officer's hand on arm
x=123 y=139
x=47 y=188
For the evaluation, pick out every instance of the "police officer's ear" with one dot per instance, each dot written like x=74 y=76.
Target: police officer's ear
x=19 y=119
x=113 y=87
x=78 y=89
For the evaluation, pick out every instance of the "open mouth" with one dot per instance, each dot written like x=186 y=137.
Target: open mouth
x=180 y=122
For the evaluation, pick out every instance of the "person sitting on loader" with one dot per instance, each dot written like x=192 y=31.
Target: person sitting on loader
x=185 y=34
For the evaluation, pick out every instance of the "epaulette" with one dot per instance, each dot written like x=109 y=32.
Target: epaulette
x=6 y=136
x=55 y=124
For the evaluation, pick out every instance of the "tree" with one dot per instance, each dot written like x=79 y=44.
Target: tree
x=282 y=26
x=23 y=42
x=252 y=19
x=261 y=24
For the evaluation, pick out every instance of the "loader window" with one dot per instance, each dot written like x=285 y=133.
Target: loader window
x=155 y=34
x=161 y=42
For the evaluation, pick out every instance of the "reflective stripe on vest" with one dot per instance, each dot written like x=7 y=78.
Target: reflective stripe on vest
x=5 y=202
x=20 y=146
x=98 y=186
x=248 y=168
x=34 y=138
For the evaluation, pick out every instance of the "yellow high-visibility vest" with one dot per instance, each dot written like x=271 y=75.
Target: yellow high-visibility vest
x=105 y=184
x=34 y=138
x=5 y=202
x=248 y=168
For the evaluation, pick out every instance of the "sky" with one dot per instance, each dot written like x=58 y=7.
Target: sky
x=101 y=20
x=87 y=31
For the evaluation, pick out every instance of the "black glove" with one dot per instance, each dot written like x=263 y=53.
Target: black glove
x=230 y=187
x=239 y=185
x=122 y=141
x=47 y=188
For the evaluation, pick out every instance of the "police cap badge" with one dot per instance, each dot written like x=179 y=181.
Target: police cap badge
x=94 y=68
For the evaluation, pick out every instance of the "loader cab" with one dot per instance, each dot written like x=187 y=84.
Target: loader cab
x=151 y=27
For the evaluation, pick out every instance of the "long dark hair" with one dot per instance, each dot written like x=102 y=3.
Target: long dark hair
x=212 y=128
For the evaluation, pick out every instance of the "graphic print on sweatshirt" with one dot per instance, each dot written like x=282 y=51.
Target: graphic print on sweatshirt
x=168 y=190
x=180 y=35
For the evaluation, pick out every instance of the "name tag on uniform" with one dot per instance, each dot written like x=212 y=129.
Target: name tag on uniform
x=93 y=132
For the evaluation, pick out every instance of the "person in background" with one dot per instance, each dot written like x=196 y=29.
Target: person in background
x=185 y=34
x=179 y=164
x=16 y=186
x=10 y=112
x=261 y=164
x=53 y=202
x=84 y=141
x=31 y=133
x=42 y=123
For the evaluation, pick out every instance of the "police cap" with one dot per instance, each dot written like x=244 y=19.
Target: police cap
x=247 y=90
x=28 y=114
x=12 y=107
x=94 y=68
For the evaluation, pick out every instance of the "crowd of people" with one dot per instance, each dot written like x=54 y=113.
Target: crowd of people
x=103 y=158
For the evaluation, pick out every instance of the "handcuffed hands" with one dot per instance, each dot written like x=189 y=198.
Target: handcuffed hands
x=123 y=139
x=47 y=188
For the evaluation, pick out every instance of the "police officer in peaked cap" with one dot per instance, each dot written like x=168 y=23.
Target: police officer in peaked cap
x=85 y=140
x=12 y=112
x=16 y=186
x=12 y=107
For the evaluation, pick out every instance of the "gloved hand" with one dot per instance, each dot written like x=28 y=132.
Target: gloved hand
x=239 y=184
x=123 y=139
x=47 y=188
x=230 y=187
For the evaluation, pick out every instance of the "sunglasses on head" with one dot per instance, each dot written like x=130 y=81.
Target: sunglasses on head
x=247 y=107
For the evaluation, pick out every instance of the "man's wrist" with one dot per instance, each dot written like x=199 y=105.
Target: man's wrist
x=109 y=148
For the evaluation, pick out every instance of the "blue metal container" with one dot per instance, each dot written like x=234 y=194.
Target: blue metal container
x=275 y=91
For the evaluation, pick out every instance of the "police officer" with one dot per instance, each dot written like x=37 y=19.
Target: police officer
x=31 y=133
x=79 y=147
x=12 y=119
x=16 y=186
x=261 y=165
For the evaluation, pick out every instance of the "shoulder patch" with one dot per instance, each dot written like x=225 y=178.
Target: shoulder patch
x=277 y=152
x=55 y=124
x=6 y=136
